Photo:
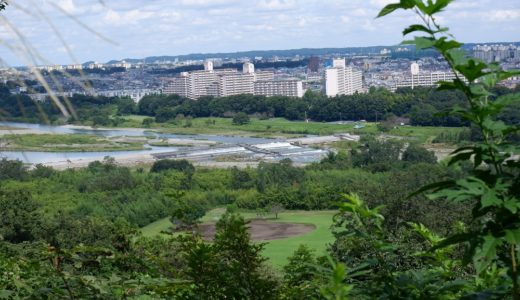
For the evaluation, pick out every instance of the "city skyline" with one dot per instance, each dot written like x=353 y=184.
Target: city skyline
x=159 y=27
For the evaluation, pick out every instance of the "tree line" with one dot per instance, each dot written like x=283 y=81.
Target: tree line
x=422 y=106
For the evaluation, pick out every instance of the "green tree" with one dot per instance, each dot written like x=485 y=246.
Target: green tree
x=20 y=220
x=300 y=275
x=240 y=119
x=232 y=267
x=147 y=122
x=377 y=155
x=241 y=261
x=187 y=214
x=12 y=169
x=126 y=106
x=417 y=154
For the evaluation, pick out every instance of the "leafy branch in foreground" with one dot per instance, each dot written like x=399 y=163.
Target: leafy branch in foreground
x=493 y=187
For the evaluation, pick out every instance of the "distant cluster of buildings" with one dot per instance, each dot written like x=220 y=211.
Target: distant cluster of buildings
x=497 y=53
x=228 y=82
x=89 y=66
x=422 y=78
x=329 y=74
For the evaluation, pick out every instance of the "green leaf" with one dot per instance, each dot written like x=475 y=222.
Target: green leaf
x=458 y=56
x=423 y=42
x=454 y=239
x=390 y=8
x=513 y=236
x=436 y=7
x=417 y=27
x=486 y=253
x=462 y=156
x=5 y=294
x=512 y=205
x=444 y=45
x=433 y=186
x=490 y=199
x=403 y=4
x=472 y=70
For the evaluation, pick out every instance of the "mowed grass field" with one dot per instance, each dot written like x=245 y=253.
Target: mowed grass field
x=277 y=251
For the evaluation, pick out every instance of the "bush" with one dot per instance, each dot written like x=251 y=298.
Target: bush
x=241 y=119
x=418 y=154
x=12 y=169
x=147 y=122
x=170 y=164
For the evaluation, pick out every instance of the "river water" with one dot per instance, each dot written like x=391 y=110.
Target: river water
x=283 y=149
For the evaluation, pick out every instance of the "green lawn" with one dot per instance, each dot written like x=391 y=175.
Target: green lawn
x=276 y=250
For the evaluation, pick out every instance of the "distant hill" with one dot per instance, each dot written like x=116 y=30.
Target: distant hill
x=304 y=52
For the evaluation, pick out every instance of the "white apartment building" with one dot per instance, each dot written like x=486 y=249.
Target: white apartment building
x=236 y=84
x=342 y=80
x=228 y=82
x=418 y=78
x=289 y=88
x=180 y=85
x=264 y=76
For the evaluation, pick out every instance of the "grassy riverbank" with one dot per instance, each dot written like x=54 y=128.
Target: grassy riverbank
x=275 y=127
x=63 y=143
x=279 y=127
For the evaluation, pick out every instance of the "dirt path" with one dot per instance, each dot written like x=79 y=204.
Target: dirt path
x=262 y=230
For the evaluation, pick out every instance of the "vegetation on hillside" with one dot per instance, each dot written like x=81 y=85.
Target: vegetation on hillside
x=74 y=234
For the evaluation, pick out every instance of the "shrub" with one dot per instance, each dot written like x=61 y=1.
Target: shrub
x=241 y=119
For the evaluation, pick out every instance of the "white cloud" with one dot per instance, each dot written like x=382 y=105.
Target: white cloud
x=217 y=25
x=504 y=15
x=368 y=26
x=277 y=4
x=381 y=3
x=360 y=12
x=126 y=18
x=67 y=5
x=200 y=21
x=206 y=3
x=259 y=27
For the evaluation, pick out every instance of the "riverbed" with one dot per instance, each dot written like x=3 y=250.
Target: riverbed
x=223 y=149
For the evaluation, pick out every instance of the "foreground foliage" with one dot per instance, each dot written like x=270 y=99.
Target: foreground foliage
x=72 y=234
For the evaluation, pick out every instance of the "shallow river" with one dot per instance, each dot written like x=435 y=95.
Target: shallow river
x=297 y=154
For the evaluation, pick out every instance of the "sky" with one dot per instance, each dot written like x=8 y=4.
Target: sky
x=71 y=31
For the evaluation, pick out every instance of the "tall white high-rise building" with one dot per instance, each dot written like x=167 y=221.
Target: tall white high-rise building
x=342 y=80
